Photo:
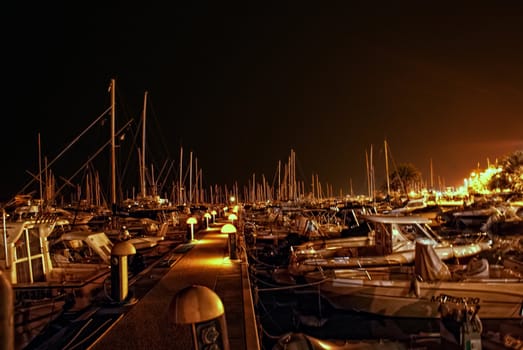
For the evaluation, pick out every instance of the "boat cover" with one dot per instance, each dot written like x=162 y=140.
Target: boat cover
x=427 y=263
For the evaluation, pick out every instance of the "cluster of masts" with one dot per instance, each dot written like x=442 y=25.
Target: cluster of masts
x=188 y=189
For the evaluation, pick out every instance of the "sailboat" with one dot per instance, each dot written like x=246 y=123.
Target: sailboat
x=48 y=271
x=146 y=220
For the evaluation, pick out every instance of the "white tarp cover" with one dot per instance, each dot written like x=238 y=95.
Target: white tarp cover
x=427 y=263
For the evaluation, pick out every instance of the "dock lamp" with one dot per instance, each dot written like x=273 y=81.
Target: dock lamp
x=7 y=328
x=207 y=216
x=119 y=271
x=230 y=230
x=213 y=213
x=232 y=217
x=191 y=221
x=202 y=309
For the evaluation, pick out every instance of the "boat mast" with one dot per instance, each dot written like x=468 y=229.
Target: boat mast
x=40 y=172
x=180 y=188
x=190 y=178
x=196 y=173
x=142 y=167
x=431 y=176
x=387 y=168
x=279 y=180
x=113 y=147
x=371 y=173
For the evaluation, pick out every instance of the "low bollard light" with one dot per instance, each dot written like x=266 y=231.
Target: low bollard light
x=207 y=216
x=192 y=221
x=202 y=308
x=119 y=270
x=232 y=217
x=7 y=328
x=230 y=229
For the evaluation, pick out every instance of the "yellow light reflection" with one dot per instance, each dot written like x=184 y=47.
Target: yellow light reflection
x=213 y=239
x=215 y=261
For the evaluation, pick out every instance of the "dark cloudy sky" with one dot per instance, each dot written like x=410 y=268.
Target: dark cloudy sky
x=242 y=84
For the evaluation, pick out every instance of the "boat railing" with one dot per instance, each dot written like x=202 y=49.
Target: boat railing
x=365 y=270
x=327 y=274
x=48 y=218
x=4 y=252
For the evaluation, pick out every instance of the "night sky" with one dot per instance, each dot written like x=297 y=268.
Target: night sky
x=241 y=85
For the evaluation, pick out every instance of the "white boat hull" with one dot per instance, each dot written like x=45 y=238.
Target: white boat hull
x=352 y=290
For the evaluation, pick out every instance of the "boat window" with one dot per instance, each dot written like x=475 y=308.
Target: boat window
x=411 y=232
x=106 y=250
x=396 y=237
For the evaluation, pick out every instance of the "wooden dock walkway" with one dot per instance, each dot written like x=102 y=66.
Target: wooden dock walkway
x=146 y=324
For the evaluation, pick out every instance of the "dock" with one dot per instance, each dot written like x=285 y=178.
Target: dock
x=146 y=323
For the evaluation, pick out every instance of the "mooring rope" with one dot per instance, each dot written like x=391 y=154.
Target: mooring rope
x=294 y=286
x=251 y=256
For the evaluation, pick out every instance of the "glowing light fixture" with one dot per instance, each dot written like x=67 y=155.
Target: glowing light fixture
x=207 y=216
x=228 y=228
x=213 y=213
x=191 y=221
x=232 y=217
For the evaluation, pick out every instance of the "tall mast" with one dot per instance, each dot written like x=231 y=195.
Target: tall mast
x=113 y=146
x=253 y=196
x=387 y=167
x=142 y=167
x=312 y=187
x=196 y=197
x=40 y=170
x=180 y=188
x=190 y=178
x=279 y=180
x=372 y=183
x=368 y=171
x=431 y=176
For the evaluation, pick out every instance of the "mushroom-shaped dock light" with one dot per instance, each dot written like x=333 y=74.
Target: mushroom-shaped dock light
x=232 y=217
x=119 y=270
x=192 y=221
x=213 y=213
x=231 y=230
x=207 y=216
x=202 y=308
x=228 y=228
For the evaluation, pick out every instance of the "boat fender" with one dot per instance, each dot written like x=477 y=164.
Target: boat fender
x=308 y=320
x=414 y=287
x=293 y=341
x=477 y=268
